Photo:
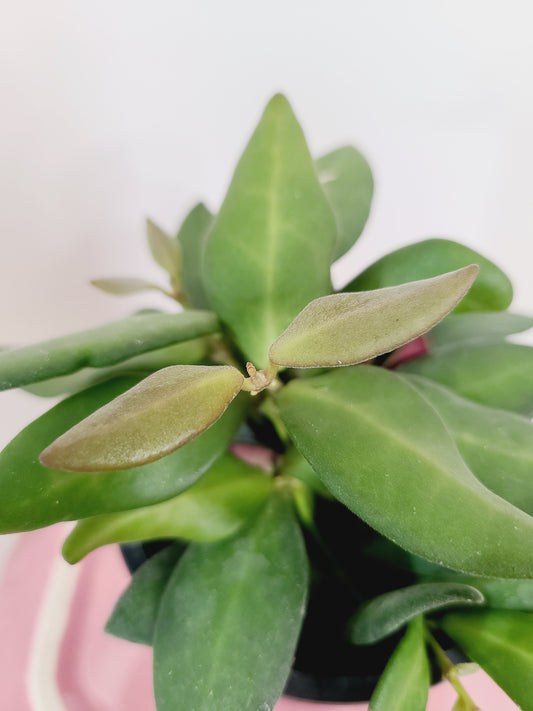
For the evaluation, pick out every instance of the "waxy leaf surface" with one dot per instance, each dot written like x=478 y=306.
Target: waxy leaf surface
x=230 y=617
x=404 y=685
x=101 y=346
x=192 y=236
x=492 y=290
x=485 y=327
x=343 y=329
x=389 y=612
x=347 y=181
x=494 y=374
x=501 y=642
x=135 y=613
x=216 y=506
x=160 y=414
x=35 y=496
x=383 y=451
x=269 y=251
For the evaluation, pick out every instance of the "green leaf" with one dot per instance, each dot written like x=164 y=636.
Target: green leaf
x=230 y=617
x=101 y=346
x=497 y=445
x=216 y=506
x=294 y=465
x=501 y=642
x=495 y=374
x=34 y=496
x=191 y=237
x=124 y=286
x=386 y=614
x=154 y=418
x=491 y=292
x=404 y=685
x=269 y=251
x=344 y=329
x=383 y=451
x=477 y=327
x=347 y=181
x=135 y=613
x=165 y=251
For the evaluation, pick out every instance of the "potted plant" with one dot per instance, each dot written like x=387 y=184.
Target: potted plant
x=342 y=479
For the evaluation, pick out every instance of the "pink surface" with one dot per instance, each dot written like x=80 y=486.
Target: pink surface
x=97 y=672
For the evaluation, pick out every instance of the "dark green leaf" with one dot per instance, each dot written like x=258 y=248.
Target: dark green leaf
x=494 y=374
x=230 y=618
x=404 y=685
x=134 y=616
x=269 y=251
x=34 y=496
x=101 y=346
x=386 y=614
x=383 y=451
x=491 y=292
x=501 y=642
x=192 y=237
x=477 y=327
x=347 y=181
x=216 y=506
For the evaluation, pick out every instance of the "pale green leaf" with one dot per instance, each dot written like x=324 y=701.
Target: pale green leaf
x=343 y=329
x=165 y=251
x=124 y=286
x=485 y=326
x=160 y=414
x=192 y=236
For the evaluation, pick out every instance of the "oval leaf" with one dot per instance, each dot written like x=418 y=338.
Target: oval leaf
x=101 y=346
x=477 y=327
x=165 y=250
x=498 y=374
x=124 y=286
x=192 y=237
x=404 y=685
x=344 y=329
x=230 y=617
x=387 y=613
x=383 y=451
x=501 y=642
x=216 y=506
x=163 y=412
x=491 y=292
x=274 y=235
x=35 y=496
x=347 y=181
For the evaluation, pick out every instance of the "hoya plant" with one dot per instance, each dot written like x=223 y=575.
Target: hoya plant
x=342 y=479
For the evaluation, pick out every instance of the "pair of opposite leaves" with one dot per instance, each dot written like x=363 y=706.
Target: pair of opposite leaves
x=172 y=406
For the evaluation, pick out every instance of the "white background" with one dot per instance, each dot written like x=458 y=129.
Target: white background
x=119 y=109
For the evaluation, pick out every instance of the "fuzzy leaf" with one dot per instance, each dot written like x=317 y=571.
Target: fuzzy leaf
x=404 y=685
x=269 y=251
x=343 y=329
x=101 y=346
x=216 y=506
x=135 y=613
x=485 y=326
x=165 y=250
x=230 y=617
x=347 y=181
x=124 y=286
x=383 y=451
x=386 y=614
x=495 y=374
x=160 y=414
x=192 y=236
x=501 y=642
x=34 y=496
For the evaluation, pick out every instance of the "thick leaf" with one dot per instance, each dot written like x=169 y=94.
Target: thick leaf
x=404 y=685
x=387 y=613
x=491 y=292
x=294 y=465
x=269 y=251
x=494 y=374
x=383 y=451
x=230 y=618
x=216 y=506
x=160 y=414
x=477 y=327
x=34 y=496
x=101 y=346
x=343 y=329
x=165 y=251
x=124 y=286
x=347 y=181
x=501 y=642
x=192 y=237
x=135 y=613
x=497 y=445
